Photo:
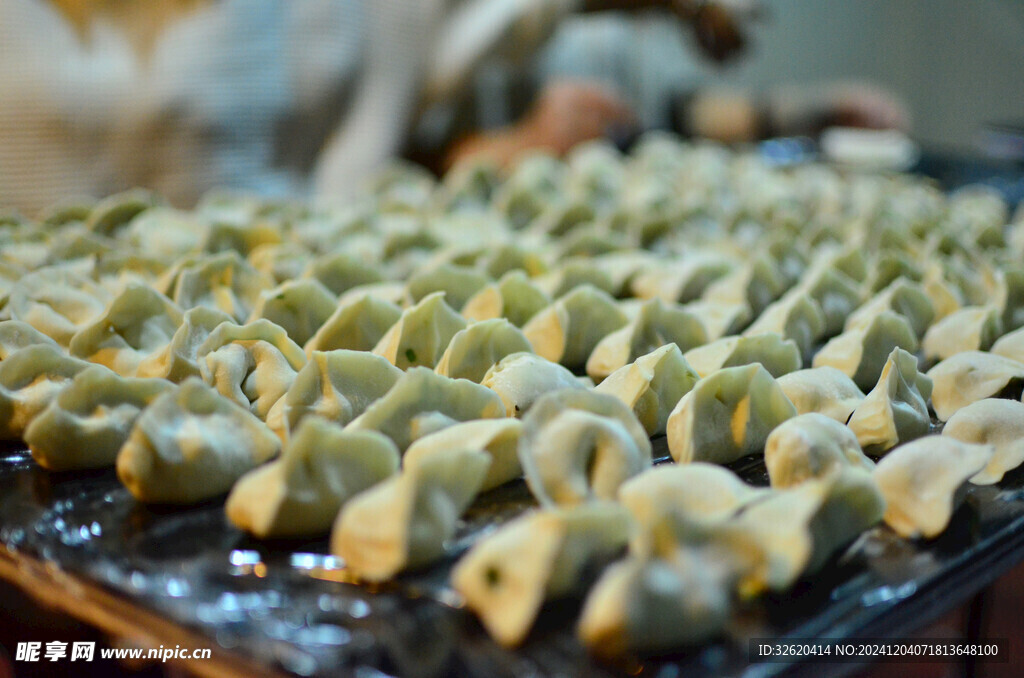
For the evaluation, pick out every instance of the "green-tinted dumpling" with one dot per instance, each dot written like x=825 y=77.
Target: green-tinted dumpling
x=906 y=298
x=1010 y=346
x=421 y=334
x=968 y=376
x=56 y=300
x=652 y=385
x=811 y=446
x=719 y=320
x=15 y=334
x=499 y=438
x=223 y=281
x=178 y=360
x=972 y=328
x=861 y=353
x=797 y=316
x=836 y=293
x=301 y=307
x=684 y=281
x=995 y=422
x=457 y=283
x=474 y=350
x=520 y=379
x=776 y=354
x=568 y=330
x=896 y=410
x=757 y=284
x=341 y=271
x=29 y=379
x=825 y=390
x=355 y=325
x=513 y=297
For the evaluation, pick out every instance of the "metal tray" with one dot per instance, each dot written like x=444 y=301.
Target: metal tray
x=184 y=576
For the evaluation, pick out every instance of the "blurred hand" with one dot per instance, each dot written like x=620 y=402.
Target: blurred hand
x=567 y=113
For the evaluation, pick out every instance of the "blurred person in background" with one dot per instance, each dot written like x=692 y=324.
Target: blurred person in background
x=296 y=98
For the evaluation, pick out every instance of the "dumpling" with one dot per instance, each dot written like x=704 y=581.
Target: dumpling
x=513 y=297
x=223 y=281
x=356 y=325
x=684 y=281
x=281 y=261
x=476 y=349
x=15 y=334
x=896 y=410
x=837 y=295
x=390 y=291
x=179 y=360
x=972 y=328
x=29 y=379
x=906 y=298
x=568 y=330
x=757 y=284
x=421 y=394
x=89 y=420
x=890 y=265
x=252 y=365
x=655 y=325
x=499 y=438
x=56 y=300
x=573 y=273
x=778 y=355
x=165 y=232
x=861 y=353
x=300 y=493
x=137 y=323
x=920 y=481
x=825 y=390
x=579 y=446
x=727 y=415
x=117 y=211
x=652 y=385
x=191 y=444
x=1010 y=346
x=995 y=422
x=341 y=271
x=301 y=307
x=797 y=316
x=520 y=378
x=1011 y=298
x=336 y=385
x=421 y=334
x=811 y=446
x=457 y=283
x=966 y=377
x=542 y=555
x=719 y=320
x=403 y=522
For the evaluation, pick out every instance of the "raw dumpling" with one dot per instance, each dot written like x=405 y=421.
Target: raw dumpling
x=684 y=281
x=1010 y=346
x=578 y=446
x=56 y=300
x=861 y=353
x=499 y=438
x=778 y=355
x=301 y=307
x=655 y=325
x=179 y=359
x=15 y=334
x=571 y=274
x=719 y=320
x=356 y=325
x=797 y=316
x=896 y=410
x=972 y=328
x=906 y=298
x=520 y=378
x=29 y=379
x=836 y=294
x=341 y=271
x=336 y=385
x=474 y=350
x=513 y=297
x=89 y=420
x=138 y=322
x=727 y=415
x=568 y=330
x=968 y=376
x=652 y=385
x=403 y=522
x=458 y=283
x=757 y=284
x=920 y=481
x=191 y=444
x=542 y=555
x=822 y=389
x=405 y=411
x=300 y=494
x=421 y=334
x=995 y=422
x=811 y=446
x=223 y=281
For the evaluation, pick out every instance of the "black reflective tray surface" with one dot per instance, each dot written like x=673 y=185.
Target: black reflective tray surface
x=289 y=607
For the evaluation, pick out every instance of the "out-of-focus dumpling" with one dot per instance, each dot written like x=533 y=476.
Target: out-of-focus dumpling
x=458 y=283
x=341 y=271
x=409 y=410
x=652 y=385
x=499 y=438
x=29 y=379
x=571 y=274
x=1010 y=346
x=655 y=325
x=972 y=328
x=811 y=446
x=902 y=296
x=520 y=378
x=542 y=555
x=89 y=420
x=995 y=422
x=301 y=307
x=56 y=300
x=357 y=325
x=192 y=444
x=568 y=330
x=421 y=334
x=513 y=297
x=825 y=390
x=719 y=320
x=968 y=376
x=682 y=281
x=777 y=355
x=797 y=316
x=577 y=446
x=757 y=283
x=727 y=415
x=476 y=349
x=403 y=522
x=178 y=360
x=896 y=410
x=836 y=293
x=861 y=353
x=300 y=493
x=223 y=281
x=15 y=334
x=920 y=481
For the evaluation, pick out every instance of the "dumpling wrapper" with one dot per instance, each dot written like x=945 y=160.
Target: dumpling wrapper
x=836 y=294
x=179 y=360
x=811 y=446
x=684 y=281
x=223 y=281
x=520 y=379
x=474 y=350
x=578 y=446
x=719 y=320
x=995 y=422
x=192 y=444
x=655 y=325
x=776 y=354
x=902 y=296
x=972 y=328
x=513 y=297
x=652 y=385
x=542 y=555
x=403 y=522
x=1010 y=346
x=15 y=334
x=896 y=410
x=29 y=379
x=825 y=390
x=499 y=438
x=341 y=271
x=727 y=416
x=300 y=307
x=421 y=334
x=457 y=283
x=970 y=376
x=568 y=330
x=300 y=493
x=356 y=325
x=797 y=316
x=757 y=283
x=920 y=481
x=421 y=393
x=861 y=353
x=56 y=300
x=90 y=419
